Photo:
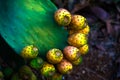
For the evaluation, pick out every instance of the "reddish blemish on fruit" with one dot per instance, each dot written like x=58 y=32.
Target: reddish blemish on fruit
x=64 y=67
x=71 y=53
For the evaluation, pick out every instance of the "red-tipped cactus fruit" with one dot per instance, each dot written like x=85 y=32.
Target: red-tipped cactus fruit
x=65 y=67
x=71 y=53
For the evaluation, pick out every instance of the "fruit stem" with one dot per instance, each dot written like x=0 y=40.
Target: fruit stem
x=66 y=19
x=58 y=53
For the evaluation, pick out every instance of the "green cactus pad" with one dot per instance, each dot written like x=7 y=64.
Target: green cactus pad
x=31 y=22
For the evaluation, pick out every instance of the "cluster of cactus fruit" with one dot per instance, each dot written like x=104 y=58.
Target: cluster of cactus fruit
x=59 y=62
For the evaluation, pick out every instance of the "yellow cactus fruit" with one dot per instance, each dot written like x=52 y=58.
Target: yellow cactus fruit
x=84 y=49
x=62 y=17
x=78 y=61
x=47 y=70
x=77 y=22
x=77 y=39
x=85 y=30
x=29 y=52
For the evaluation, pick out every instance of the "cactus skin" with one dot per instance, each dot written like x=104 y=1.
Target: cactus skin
x=77 y=22
x=84 y=49
x=47 y=70
x=71 y=53
x=77 y=39
x=78 y=61
x=85 y=31
x=64 y=67
x=29 y=52
x=62 y=17
x=36 y=63
x=54 y=56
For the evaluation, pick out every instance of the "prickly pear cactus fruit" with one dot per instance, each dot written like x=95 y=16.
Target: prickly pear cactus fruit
x=77 y=22
x=36 y=63
x=71 y=53
x=26 y=72
x=56 y=76
x=54 y=56
x=77 y=39
x=78 y=61
x=47 y=70
x=29 y=52
x=62 y=17
x=84 y=49
x=64 y=67
x=85 y=30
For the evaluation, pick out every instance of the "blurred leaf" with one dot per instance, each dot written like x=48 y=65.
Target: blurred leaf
x=100 y=13
x=79 y=6
x=109 y=27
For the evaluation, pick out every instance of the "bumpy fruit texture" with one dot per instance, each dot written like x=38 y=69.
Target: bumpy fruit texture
x=56 y=76
x=71 y=53
x=85 y=30
x=64 y=67
x=62 y=17
x=36 y=63
x=77 y=22
x=77 y=39
x=54 y=56
x=47 y=70
x=29 y=52
x=78 y=61
x=84 y=49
